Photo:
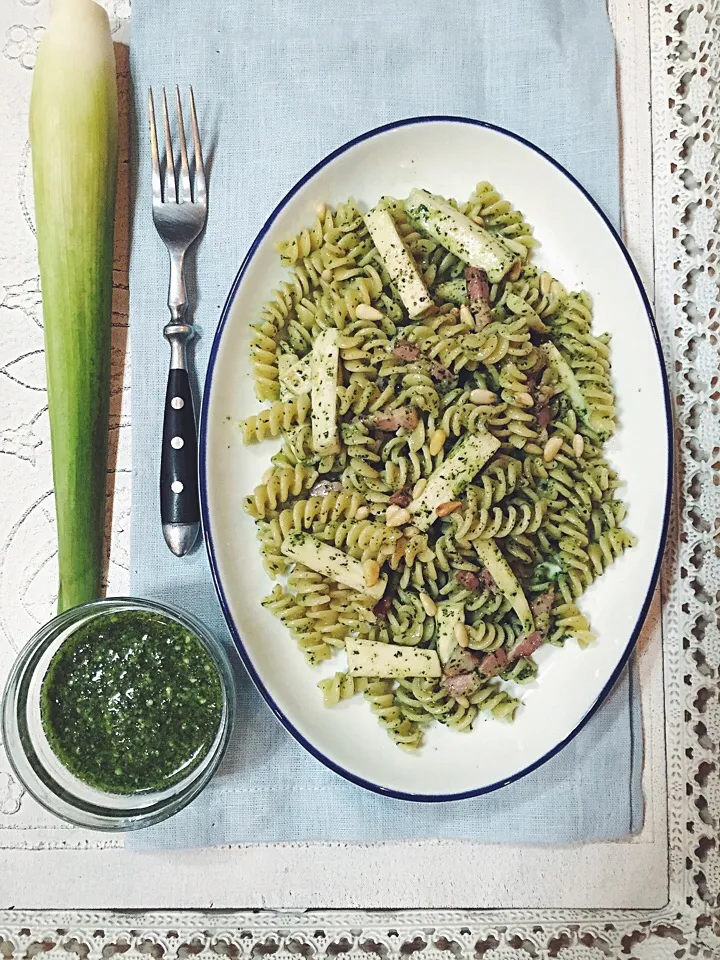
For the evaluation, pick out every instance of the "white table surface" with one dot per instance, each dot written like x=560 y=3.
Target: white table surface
x=48 y=864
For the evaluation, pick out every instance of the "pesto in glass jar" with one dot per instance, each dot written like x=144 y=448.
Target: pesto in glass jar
x=131 y=702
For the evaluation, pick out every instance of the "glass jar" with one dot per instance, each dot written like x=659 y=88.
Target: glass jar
x=48 y=780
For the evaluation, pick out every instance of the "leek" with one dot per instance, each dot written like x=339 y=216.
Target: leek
x=73 y=134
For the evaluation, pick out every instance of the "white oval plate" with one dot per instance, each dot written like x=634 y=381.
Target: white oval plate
x=448 y=156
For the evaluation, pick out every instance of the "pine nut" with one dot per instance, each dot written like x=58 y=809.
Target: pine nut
x=428 y=604
x=398 y=552
x=445 y=509
x=362 y=513
x=578 y=445
x=437 y=442
x=466 y=316
x=461 y=634
x=552 y=448
x=365 y=312
x=478 y=220
x=515 y=270
x=524 y=399
x=481 y=397
x=396 y=516
x=546 y=391
x=371 y=572
x=320 y=211
x=327 y=275
x=463 y=702
x=411 y=531
x=419 y=487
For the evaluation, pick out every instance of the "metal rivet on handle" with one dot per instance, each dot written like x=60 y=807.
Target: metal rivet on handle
x=177 y=486
x=177 y=403
x=177 y=443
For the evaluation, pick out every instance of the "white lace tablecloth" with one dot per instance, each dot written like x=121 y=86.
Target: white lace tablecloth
x=654 y=897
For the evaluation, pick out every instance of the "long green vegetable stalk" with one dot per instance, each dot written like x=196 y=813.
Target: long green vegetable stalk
x=73 y=133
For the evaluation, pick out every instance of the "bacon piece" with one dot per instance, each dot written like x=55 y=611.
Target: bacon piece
x=525 y=646
x=493 y=663
x=482 y=315
x=487 y=579
x=522 y=571
x=382 y=608
x=541 y=394
x=392 y=420
x=541 y=607
x=461 y=660
x=401 y=498
x=461 y=684
x=468 y=579
x=404 y=350
x=438 y=372
x=478 y=287
x=544 y=415
x=542 y=604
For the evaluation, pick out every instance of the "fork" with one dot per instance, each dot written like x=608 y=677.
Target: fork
x=179 y=212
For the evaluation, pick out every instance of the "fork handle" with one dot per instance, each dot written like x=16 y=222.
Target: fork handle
x=179 y=501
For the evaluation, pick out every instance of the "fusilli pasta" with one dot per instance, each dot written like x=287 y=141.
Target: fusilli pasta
x=512 y=363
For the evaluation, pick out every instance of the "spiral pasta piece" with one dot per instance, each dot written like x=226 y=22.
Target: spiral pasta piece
x=538 y=290
x=329 y=508
x=489 y=636
x=511 y=520
x=266 y=332
x=294 y=615
x=341 y=687
x=570 y=622
x=302 y=244
x=405 y=733
x=493 y=699
x=282 y=483
x=589 y=359
x=419 y=390
x=278 y=418
x=495 y=483
x=424 y=698
x=363 y=539
x=499 y=217
x=270 y=538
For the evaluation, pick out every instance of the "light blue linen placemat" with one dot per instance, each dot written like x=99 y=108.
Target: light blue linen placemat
x=280 y=83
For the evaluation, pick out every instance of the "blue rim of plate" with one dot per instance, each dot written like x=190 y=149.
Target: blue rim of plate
x=207 y=531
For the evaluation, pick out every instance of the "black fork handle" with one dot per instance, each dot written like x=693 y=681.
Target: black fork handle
x=179 y=499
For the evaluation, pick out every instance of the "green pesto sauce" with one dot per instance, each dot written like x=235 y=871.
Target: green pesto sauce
x=131 y=702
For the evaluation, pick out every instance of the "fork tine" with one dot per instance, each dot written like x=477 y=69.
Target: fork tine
x=200 y=185
x=185 y=192
x=156 y=181
x=170 y=181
